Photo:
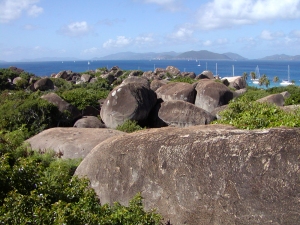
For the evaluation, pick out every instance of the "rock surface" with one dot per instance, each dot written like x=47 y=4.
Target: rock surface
x=183 y=114
x=203 y=174
x=276 y=99
x=89 y=122
x=177 y=91
x=211 y=94
x=62 y=105
x=71 y=142
x=132 y=101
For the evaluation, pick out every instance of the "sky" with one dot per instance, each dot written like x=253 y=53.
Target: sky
x=31 y=29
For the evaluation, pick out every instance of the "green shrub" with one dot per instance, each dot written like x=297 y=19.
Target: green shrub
x=82 y=97
x=129 y=126
x=255 y=115
x=20 y=109
x=183 y=79
x=42 y=189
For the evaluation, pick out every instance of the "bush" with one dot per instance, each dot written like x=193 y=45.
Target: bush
x=41 y=189
x=129 y=126
x=184 y=79
x=20 y=109
x=82 y=97
x=255 y=115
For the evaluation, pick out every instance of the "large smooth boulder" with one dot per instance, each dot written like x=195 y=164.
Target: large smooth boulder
x=177 y=91
x=183 y=114
x=173 y=70
x=236 y=82
x=212 y=94
x=44 y=84
x=139 y=80
x=203 y=174
x=62 y=105
x=276 y=99
x=89 y=122
x=155 y=84
x=132 y=101
x=206 y=74
x=70 y=143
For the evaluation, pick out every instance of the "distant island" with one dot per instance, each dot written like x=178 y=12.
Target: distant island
x=189 y=55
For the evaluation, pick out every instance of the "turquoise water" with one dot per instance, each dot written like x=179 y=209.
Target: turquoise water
x=223 y=68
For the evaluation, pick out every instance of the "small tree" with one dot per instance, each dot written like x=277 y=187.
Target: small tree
x=275 y=79
x=245 y=76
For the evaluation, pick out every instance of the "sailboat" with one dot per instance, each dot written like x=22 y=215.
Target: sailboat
x=199 y=64
x=256 y=80
x=287 y=82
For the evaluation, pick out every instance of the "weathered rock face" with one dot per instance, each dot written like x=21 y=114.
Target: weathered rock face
x=188 y=74
x=62 y=105
x=276 y=99
x=71 y=142
x=155 y=84
x=132 y=101
x=203 y=174
x=211 y=94
x=173 y=70
x=206 y=74
x=89 y=122
x=236 y=82
x=18 y=79
x=183 y=114
x=139 y=80
x=44 y=84
x=177 y=91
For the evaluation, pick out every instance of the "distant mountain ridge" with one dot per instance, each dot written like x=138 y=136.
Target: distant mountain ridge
x=282 y=57
x=202 y=54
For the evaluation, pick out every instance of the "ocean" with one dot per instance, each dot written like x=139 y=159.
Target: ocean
x=222 y=68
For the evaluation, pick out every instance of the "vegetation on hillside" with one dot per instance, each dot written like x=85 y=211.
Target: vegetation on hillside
x=39 y=188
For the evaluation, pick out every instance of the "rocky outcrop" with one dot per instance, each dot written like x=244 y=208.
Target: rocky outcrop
x=177 y=91
x=138 y=80
x=44 y=84
x=132 y=101
x=211 y=94
x=173 y=70
x=276 y=99
x=70 y=143
x=206 y=74
x=203 y=174
x=89 y=122
x=155 y=84
x=183 y=114
x=236 y=82
x=62 y=105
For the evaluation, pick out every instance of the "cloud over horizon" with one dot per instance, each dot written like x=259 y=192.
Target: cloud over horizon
x=224 y=14
x=75 y=29
x=12 y=9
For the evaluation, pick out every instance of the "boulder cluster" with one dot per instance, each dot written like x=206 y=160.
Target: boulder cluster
x=190 y=171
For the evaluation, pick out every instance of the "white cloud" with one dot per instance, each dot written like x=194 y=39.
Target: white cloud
x=268 y=35
x=30 y=27
x=90 y=50
x=142 y=40
x=171 y=5
x=295 y=33
x=207 y=43
x=121 y=41
x=224 y=13
x=76 y=29
x=265 y=34
x=13 y=9
x=35 y=11
x=181 y=34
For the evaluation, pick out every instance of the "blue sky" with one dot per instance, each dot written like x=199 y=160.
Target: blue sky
x=32 y=29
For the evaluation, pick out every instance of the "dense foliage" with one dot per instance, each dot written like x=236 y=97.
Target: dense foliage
x=40 y=188
x=255 y=115
x=129 y=126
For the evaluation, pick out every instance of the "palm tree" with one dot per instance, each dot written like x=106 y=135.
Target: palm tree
x=245 y=76
x=253 y=75
x=267 y=82
x=293 y=82
x=275 y=79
